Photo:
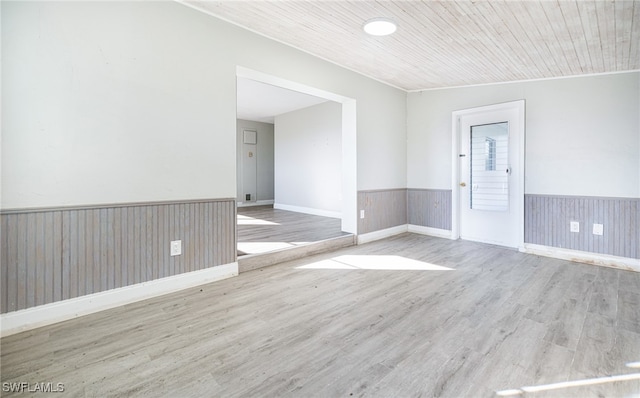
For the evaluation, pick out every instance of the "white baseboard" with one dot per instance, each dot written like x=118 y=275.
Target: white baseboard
x=629 y=264
x=381 y=234
x=256 y=203
x=308 y=210
x=47 y=314
x=439 y=233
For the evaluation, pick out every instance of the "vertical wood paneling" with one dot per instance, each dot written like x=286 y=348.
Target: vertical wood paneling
x=80 y=258
x=205 y=234
x=636 y=210
x=171 y=233
x=49 y=242
x=97 y=251
x=51 y=255
x=21 y=259
x=75 y=261
x=40 y=248
x=511 y=40
x=218 y=230
x=57 y=256
x=110 y=250
x=30 y=255
x=4 y=260
x=162 y=239
x=189 y=238
x=12 y=262
x=147 y=259
x=389 y=208
x=548 y=217
x=117 y=249
x=429 y=208
x=200 y=243
x=138 y=244
x=383 y=209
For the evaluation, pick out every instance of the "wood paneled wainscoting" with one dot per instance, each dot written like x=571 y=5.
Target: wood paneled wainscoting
x=49 y=255
x=548 y=218
x=430 y=208
x=383 y=209
x=417 y=210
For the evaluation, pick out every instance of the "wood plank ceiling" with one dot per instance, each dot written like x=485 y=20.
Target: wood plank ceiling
x=452 y=43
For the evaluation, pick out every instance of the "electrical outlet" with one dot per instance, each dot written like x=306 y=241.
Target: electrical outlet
x=361 y=213
x=574 y=226
x=176 y=247
x=598 y=229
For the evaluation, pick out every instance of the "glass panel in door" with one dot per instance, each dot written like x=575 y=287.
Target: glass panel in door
x=489 y=167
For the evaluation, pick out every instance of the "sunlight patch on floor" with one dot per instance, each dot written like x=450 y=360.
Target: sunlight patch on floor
x=568 y=384
x=246 y=220
x=375 y=262
x=262 y=247
x=265 y=247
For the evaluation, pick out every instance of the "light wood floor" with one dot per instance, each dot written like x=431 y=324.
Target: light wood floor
x=262 y=229
x=353 y=323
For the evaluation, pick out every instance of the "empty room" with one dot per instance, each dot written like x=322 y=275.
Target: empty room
x=320 y=198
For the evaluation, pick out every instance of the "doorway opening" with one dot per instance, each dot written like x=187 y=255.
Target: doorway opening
x=299 y=176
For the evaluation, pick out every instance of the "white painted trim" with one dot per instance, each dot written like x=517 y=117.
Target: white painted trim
x=47 y=314
x=437 y=232
x=256 y=203
x=381 y=234
x=308 y=210
x=519 y=106
x=629 y=264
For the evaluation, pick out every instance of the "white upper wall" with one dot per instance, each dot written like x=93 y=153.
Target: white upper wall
x=115 y=102
x=582 y=134
x=308 y=158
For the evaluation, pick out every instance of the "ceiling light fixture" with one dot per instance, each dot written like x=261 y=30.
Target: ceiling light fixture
x=379 y=27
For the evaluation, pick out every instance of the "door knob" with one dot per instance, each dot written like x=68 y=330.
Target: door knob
x=463 y=184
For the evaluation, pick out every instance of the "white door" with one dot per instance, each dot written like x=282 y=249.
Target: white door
x=491 y=169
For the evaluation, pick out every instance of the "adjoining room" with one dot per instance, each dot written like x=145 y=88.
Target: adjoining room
x=292 y=189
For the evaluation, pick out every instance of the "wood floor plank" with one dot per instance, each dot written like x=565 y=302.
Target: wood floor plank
x=628 y=315
x=496 y=319
x=604 y=298
x=595 y=354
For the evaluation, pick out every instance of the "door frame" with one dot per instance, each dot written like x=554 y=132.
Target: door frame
x=519 y=106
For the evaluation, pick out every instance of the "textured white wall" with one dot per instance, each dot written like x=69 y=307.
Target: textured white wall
x=582 y=134
x=308 y=158
x=112 y=102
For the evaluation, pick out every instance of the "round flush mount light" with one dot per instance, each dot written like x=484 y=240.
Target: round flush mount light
x=379 y=26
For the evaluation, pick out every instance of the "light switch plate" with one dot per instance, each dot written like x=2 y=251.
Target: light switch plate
x=176 y=247
x=574 y=226
x=598 y=229
x=361 y=213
